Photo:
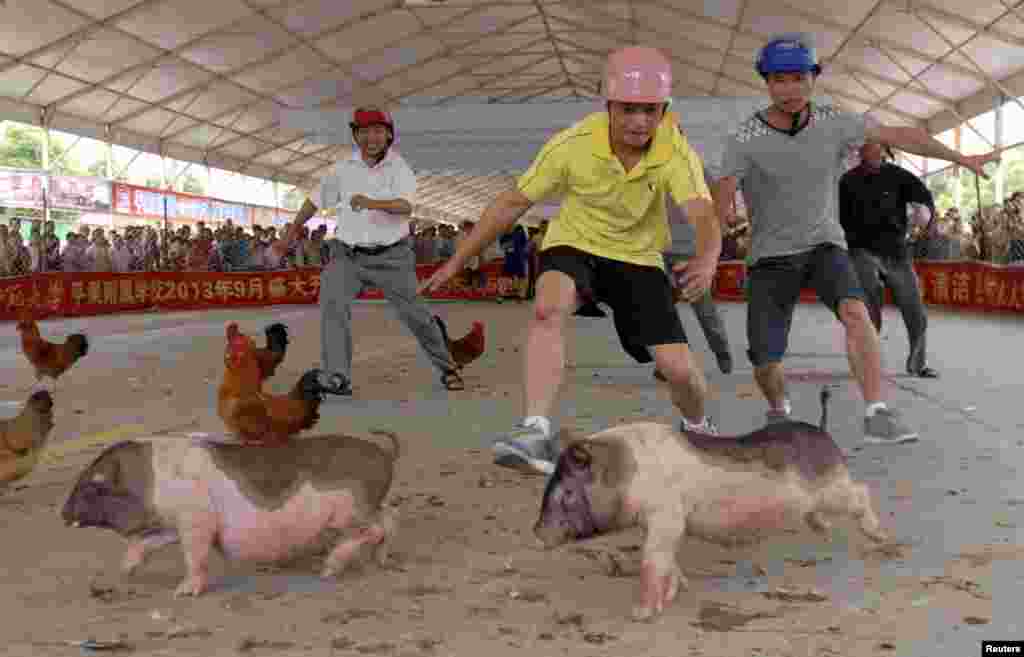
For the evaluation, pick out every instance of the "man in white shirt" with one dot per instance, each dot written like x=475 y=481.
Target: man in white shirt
x=372 y=193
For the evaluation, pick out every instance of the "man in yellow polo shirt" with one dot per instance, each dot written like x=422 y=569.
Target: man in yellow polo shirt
x=613 y=170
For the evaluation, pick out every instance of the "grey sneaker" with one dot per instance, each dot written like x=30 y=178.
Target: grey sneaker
x=527 y=449
x=886 y=428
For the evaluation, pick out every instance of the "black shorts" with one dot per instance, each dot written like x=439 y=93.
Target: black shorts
x=774 y=291
x=640 y=297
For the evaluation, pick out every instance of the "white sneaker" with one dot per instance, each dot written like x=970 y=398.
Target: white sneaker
x=526 y=448
x=707 y=427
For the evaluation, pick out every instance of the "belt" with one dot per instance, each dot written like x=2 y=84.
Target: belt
x=371 y=250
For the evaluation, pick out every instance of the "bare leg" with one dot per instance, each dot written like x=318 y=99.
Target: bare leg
x=862 y=348
x=771 y=380
x=545 y=342
x=869 y=272
x=685 y=379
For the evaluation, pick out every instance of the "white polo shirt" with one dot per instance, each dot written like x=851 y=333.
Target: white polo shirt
x=391 y=179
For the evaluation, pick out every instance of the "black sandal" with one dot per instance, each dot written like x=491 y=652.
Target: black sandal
x=452 y=381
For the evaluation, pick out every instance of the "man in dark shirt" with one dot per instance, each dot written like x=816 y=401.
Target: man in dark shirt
x=873 y=209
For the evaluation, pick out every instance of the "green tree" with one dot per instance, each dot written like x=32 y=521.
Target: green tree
x=292 y=199
x=22 y=147
x=99 y=169
x=190 y=184
x=184 y=179
x=943 y=185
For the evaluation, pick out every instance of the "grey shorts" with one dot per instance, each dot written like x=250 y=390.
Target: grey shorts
x=775 y=285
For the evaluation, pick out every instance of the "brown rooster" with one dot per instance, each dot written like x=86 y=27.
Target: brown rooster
x=253 y=415
x=23 y=437
x=467 y=348
x=270 y=356
x=49 y=359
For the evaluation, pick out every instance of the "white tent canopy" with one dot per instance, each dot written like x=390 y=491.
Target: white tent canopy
x=207 y=82
x=466 y=154
x=506 y=137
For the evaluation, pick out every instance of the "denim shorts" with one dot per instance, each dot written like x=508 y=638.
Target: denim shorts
x=775 y=285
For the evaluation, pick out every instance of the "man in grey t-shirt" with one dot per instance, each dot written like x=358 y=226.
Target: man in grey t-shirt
x=790 y=157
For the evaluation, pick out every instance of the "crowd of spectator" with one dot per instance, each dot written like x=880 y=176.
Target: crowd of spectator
x=516 y=250
x=143 y=248
x=994 y=235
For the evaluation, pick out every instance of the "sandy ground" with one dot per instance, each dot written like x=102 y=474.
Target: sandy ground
x=467 y=579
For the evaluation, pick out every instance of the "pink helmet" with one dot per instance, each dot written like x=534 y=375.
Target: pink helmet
x=638 y=75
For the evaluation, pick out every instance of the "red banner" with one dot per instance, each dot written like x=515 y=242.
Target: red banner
x=89 y=293
x=967 y=285
x=972 y=285
x=728 y=283
x=960 y=284
x=729 y=280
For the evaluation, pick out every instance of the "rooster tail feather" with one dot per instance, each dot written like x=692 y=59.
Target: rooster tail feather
x=81 y=341
x=277 y=337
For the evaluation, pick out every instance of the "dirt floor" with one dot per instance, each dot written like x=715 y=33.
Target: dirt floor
x=467 y=578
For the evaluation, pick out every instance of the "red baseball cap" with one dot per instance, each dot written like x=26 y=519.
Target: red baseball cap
x=365 y=117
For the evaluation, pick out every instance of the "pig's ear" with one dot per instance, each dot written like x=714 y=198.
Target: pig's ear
x=578 y=456
x=612 y=461
x=105 y=465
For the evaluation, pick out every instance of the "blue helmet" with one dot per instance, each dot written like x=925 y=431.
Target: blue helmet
x=791 y=53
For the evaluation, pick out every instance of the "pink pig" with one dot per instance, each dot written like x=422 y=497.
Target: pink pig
x=730 y=490
x=262 y=504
